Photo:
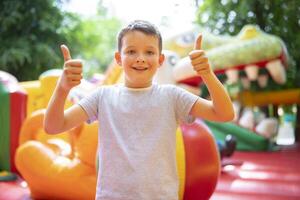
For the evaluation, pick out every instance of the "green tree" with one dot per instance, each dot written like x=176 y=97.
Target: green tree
x=278 y=17
x=32 y=30
x=29 y=36
x=93 y=39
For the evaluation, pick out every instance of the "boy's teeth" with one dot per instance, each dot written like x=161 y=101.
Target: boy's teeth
x=139 y=68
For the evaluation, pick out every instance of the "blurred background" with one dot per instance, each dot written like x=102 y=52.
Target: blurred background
x=31 y=30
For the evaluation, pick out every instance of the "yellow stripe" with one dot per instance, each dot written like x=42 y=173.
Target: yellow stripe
x=180 y=154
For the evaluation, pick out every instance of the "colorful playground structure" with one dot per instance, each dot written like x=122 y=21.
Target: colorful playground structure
x=64 y=166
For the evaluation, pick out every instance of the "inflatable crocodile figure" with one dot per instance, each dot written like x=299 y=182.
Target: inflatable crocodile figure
x=250 y=50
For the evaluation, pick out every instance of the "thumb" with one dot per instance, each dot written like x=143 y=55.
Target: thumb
x=66 y=53
x=198 y=42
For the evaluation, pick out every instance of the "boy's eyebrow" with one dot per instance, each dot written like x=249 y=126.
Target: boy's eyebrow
x=151 y=47
x=128 y=47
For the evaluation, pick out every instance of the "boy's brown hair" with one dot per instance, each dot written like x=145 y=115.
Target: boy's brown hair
x=143 y=26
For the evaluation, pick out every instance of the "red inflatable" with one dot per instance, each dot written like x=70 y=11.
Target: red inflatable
x=202 y=161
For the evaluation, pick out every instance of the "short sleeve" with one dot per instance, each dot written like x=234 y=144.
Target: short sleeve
x=184 y=101
x=90 y=105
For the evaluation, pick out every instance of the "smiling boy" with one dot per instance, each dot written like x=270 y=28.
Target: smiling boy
x=138 y=120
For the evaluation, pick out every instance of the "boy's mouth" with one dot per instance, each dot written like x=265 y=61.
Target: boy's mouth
x=140 y=68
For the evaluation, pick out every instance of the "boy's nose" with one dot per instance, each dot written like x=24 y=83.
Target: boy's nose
x=140 y=59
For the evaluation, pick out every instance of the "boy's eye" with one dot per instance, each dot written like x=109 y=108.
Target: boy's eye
x=150 y=52
x=130 y=51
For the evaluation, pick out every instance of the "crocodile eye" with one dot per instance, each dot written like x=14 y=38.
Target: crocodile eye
x=172 y=60
x=186 y=39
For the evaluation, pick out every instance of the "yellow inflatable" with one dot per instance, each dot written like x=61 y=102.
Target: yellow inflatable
x=57 y=168
x=63 y=166
x=40 y=91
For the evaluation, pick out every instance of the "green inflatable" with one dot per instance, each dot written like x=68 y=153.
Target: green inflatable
x=246 y=139
x=5 y=128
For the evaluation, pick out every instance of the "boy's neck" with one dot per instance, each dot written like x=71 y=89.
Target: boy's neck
x=138 y=88
x=141 y=86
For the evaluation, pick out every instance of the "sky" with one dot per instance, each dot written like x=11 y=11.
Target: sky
x=177 y=15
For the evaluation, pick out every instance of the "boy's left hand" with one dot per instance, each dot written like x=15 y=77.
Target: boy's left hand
x=198 y=59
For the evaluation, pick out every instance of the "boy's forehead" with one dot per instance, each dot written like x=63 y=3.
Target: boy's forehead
x=136 y=36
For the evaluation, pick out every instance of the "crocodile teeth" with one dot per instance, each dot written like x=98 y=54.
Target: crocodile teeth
x=277 y=72
x=263 y=80
x=251 y=72
x=232 y=76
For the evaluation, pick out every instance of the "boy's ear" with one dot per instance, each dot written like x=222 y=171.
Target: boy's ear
x=118 y=58
x=161 y=59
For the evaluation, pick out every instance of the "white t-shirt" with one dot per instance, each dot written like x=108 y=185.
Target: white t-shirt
x=137 y=140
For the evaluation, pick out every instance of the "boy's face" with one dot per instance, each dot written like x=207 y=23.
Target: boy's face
x=140 y=58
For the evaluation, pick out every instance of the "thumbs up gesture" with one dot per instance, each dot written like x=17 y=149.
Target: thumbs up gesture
x=198 y=59
x=72 y=72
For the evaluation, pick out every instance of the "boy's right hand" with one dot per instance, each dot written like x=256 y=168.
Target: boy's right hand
x=72 y=72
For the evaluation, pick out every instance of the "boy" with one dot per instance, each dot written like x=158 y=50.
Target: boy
x=138 y=120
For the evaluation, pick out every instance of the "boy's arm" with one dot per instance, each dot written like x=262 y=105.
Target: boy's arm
x=56 y=119
x=220 y=107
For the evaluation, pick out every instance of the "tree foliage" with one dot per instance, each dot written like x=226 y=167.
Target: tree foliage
x=93 y=39
x=31 y=32
x=29 y=37
x=278 y=17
